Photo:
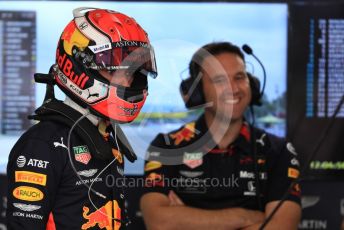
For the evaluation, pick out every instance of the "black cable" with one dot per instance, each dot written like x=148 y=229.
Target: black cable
x=264 y=75
x=255 y=158
x=305 y=167
x=247 y=49
x=71 y=161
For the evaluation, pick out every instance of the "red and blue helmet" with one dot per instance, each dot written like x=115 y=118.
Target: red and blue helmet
x=99 y=39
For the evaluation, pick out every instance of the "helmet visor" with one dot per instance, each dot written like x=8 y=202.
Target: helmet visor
x=134 y=58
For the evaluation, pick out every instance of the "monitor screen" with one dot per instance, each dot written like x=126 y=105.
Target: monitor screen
x=316 y=86
x=176 y=31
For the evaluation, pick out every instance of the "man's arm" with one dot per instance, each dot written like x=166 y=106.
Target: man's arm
x=32 y=184
x=282 y=174
x=167 y=212
x=287 y=217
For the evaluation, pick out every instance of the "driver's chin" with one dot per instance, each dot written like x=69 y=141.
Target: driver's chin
x=230 y=114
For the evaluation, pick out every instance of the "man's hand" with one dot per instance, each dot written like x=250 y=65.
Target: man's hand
x=250 y=217
x=169 y=213
x=286 y=218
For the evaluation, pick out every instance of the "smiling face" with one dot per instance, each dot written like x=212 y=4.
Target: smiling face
x=226 y=85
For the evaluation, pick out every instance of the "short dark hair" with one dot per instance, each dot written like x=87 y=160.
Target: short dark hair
x=214 y=48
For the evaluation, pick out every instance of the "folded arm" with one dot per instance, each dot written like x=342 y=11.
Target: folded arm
x=287 y=217
x=168 y=212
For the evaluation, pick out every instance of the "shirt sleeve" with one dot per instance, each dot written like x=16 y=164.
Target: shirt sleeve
x=283 y=172
x=156 y=173
x=33 y=173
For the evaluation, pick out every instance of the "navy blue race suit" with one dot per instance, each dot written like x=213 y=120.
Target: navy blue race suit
x=44 y=192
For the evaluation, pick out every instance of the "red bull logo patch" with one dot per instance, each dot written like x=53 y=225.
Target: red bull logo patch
x=106 y=217
x=185 y=134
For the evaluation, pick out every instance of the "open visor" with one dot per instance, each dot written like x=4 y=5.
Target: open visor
x=134 y=58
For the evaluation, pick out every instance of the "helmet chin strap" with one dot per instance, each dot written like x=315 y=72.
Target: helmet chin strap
x=94 y=119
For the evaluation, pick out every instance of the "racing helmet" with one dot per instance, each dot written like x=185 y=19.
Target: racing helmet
x=100 y=39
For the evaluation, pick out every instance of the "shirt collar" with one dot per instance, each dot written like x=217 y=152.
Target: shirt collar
x=242 y=142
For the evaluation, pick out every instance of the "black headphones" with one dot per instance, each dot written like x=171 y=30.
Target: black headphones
x=192 y=91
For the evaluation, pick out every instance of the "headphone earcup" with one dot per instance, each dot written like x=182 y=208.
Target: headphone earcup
x=191 y=94
x=255 y=90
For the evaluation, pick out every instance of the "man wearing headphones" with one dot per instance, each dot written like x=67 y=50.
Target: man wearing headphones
x=66 y=172
x=218 y=172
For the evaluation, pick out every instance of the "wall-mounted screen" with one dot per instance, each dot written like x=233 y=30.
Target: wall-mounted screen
x=316 y=86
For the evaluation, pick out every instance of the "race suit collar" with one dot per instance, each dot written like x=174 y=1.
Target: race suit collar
x=94 y=119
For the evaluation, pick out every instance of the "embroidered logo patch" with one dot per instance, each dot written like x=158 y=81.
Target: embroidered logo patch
x=31 y=177
x=152 y=165
x=185 y=134
x=82 y=154
x=193 y=160
x=26 y=207
x=293 y=173
x=291 y=149
x=21 y=160
x=88 y=173
x=107 y=216
x=28 y=193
